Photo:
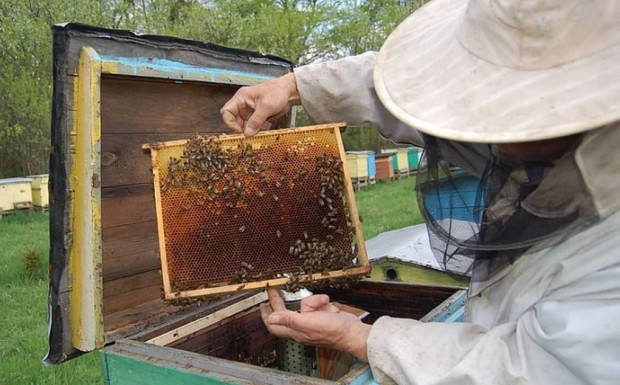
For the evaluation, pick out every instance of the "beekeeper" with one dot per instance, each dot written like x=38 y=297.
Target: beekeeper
x=523 y=97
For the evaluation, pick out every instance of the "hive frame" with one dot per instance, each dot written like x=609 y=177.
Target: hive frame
x=362 y=264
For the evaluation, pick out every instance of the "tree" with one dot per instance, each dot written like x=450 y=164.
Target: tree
x=26 y=80
x=302 y=31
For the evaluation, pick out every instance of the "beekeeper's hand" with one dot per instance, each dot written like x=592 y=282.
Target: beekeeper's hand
x=257 y=107
x=318 y=323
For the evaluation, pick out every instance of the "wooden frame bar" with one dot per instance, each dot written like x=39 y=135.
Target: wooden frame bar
x=208 y=320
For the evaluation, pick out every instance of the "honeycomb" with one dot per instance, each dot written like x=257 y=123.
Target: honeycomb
x=234 y=209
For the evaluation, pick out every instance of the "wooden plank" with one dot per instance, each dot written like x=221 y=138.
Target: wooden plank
x=132 y=105
x=124 y=369
x=130 y=291
x=123 y=162
x=355 y=271
x=241 y=338
x=392 y=299
x=129 y=249
x=132 y=320
x=184 y=314
x=210 y=367
x=124 y=205
x=84 y=181
x=362 y=254
x=211 y=319
x=127 y=205
x=133 y=297
x=149 y=319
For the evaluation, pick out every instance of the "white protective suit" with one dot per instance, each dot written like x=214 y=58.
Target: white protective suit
x=552 y=318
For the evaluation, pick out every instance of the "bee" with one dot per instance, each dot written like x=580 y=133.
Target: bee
x=247 y=265
x=275 y=197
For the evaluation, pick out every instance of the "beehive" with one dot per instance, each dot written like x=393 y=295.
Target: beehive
x=15 y=193
x=413 y=158
x=383 y=164
x=40 y=193
x=372 y=168
x=357 y=162
x=403 y=161
x=237 y=213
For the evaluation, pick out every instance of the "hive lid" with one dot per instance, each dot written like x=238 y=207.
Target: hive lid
x=15 y=180
x=237 y=213
x=113 y=91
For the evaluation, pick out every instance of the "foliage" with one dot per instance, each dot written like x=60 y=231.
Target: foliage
x=301 y=31
x=26 y=79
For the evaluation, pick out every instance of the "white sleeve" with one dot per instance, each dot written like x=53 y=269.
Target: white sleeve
x=569 y=337
x=343 y=90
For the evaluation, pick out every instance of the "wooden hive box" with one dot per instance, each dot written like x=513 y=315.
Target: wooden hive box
x=357 y=164
x=40 y=193
x=114 y=91
x=403 y=160
x=383 y=163
x=15 y=193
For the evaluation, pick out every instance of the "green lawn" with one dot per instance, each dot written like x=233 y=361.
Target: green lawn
x=387 y=206
x=23 y=300
x=24 y=241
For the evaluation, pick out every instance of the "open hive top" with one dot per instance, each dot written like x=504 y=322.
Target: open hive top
x=237 y=213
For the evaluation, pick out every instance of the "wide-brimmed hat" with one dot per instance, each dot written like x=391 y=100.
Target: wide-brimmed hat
x=504 y=71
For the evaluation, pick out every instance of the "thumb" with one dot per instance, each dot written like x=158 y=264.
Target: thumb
x=256 y=122
x=279 y=318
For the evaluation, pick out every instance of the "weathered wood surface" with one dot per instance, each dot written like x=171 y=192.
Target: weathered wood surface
x=242 y=337
x=192 y=328
x=133 y=112
x=154 y=359
x=164 y=107
x=125 y=205
x=139 y=103
x=392 y=299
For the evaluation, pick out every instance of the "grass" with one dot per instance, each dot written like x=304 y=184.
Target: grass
x=24 y=245
x=387 y=206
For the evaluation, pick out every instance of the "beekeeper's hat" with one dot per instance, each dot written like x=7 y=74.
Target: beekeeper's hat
x=504 y=71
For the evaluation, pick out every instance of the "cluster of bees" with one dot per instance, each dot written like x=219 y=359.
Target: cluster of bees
x=206 y=164
x=322 y=256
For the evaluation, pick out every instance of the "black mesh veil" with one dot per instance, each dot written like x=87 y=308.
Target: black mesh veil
x=484 y=209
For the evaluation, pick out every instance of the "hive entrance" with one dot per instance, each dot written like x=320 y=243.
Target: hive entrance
x=237 y=213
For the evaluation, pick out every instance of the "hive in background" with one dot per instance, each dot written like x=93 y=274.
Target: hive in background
x=239 y=213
